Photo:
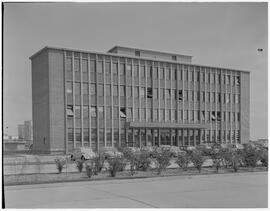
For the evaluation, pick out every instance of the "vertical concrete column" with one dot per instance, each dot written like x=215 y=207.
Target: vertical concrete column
x=105 y=104
x=112 y=122
x=140 y=115
x=81 y=83
x=73 y=103
x=89 y=98
x=97 y=141
x=65 y=106
x=126 y=99
x=118 y=89
x=231 y=109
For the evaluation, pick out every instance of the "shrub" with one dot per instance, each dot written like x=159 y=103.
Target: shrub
x=197 y=159
x=98 y=163
x=216 y=156
x=144 y=161
x=115 y=164
x=162 y=159
x=60 y=163
x=264 y=157
x=79 y=165
x=90 y=169
x=235 y=160
x=250 y=156
x=132 y=158
x=183 y=161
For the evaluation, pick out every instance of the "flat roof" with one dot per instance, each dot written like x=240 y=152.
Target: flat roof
x=148 y=50
x=132 y=57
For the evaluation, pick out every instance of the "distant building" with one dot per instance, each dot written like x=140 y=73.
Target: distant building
x=21 y=131
x=134 y=97
x=28 y=134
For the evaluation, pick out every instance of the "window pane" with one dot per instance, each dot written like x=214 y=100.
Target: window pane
x=108 y=68
x=122 y=70
x=128 y=70
x=115 y=68
x=68 y=64
x=85 y=112
x=93 y=89
x=76 y=64
x=84 y=66
x=100 y=67
x=100 y=90
x=92 y=66
x=93 y=111
x=108 y=90
x=122 y=91
x=142 y=71
x=85 y=89
x=77 y=88
x=69 y=87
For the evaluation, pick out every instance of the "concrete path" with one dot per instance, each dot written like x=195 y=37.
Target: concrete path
x=245 y=190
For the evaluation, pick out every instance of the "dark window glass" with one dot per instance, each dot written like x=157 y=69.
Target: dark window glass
x=84 y=66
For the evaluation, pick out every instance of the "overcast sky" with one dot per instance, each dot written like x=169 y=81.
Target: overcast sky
x=215 y=34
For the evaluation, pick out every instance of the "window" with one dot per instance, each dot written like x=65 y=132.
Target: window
x=212 y=79
x=136 y=114
x=213 y=116
x=84 y=66
x=142 y=92
x=122 y=91
x=76 y=64
x=136 y=92
x=237 y=80
x=137 y=53
x=198 y=96
x=92 y=66
x=202 y=115
x=78 y=134
x=162 y=114
x=108 y=90
x=136 y=71
x=115 y=91
x=155 y=91
x=197 y=76
x=236 y=99
x=212 y=96
x=100 y=90
x=185 y=114
x=168 y=74
x=70 y=111
x=155 y=114
x=219 y=97
x=180 y=95
x=143 y=113
x=149 y=72
x=227 y=79
x=69 y=87
x=162 y=73
x=100 y=67
x=93 y=111
x=115 y=72
x=108 y=68
x=202 y=96
x=77 y=112
x=128 y=70
x=174 y=77
x=101 y=112
x=123 y=113
x=168 y=93
x=238 y=116
x=162 y=94
x=85 y=112
x=191 y=76
x=174 y=58
x=148 y=114
x=149 y=93
x=129 y=113
x=77 y=88
x=227 y=98
x=68 y=64
x=115 y=112
x=186 y=95
x=155 y=73
x=85 y=89
x=108 y=112
x=173 y=114
x=142 y=71
x=191 y=95
x=93 y=89
x=128 y=89
x=122 y=70
x=70 y=135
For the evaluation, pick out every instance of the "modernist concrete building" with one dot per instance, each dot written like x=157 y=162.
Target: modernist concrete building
x=134 y=97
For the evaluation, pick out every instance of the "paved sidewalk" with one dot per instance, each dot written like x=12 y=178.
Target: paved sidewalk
x=244 y=190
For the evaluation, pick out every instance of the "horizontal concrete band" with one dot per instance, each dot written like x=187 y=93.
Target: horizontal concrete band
x=163 y=125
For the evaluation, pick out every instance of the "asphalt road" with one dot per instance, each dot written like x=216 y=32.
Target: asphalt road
x=244 y=190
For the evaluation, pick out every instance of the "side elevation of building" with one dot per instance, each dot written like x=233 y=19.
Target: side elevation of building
x=134 y=97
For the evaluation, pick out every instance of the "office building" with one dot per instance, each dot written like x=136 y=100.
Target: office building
x=21 y=131
x=134 y=97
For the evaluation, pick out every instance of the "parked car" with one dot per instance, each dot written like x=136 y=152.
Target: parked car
x=82 y=153
x=110 y=152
